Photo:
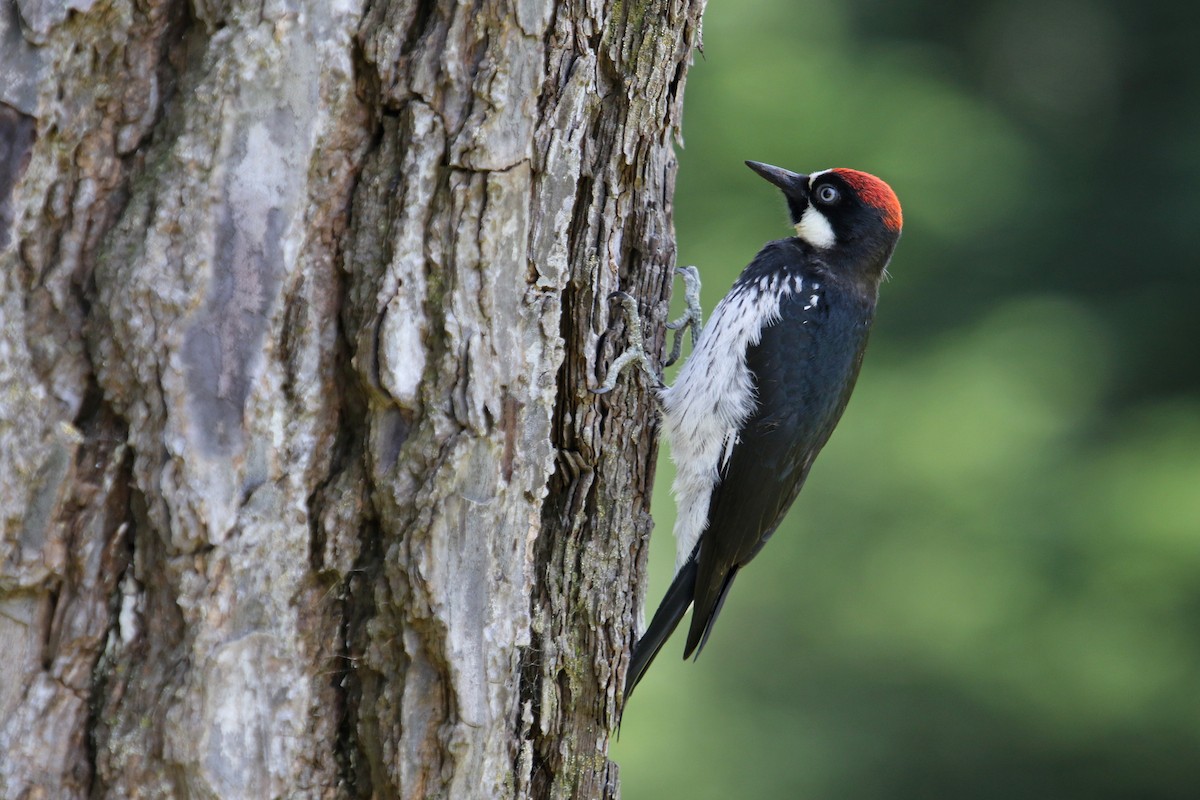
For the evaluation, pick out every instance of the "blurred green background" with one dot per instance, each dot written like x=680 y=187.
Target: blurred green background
x=990 y=587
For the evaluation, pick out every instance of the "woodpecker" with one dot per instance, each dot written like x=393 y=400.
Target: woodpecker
x=767 y=381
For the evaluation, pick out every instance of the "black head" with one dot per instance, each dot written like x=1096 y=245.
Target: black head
x=850 y=214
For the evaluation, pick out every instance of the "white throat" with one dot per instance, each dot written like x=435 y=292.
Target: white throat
x=815 y=229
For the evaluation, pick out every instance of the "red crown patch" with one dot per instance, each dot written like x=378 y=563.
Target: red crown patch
x=876 y=193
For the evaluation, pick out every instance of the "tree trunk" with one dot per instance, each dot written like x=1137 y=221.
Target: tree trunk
x=302 y=490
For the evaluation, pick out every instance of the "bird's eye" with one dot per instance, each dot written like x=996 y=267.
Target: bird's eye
x=828 y=195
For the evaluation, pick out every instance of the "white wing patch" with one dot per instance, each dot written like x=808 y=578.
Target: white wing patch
x=713 y=397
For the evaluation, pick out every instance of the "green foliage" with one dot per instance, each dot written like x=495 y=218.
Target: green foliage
x=990 y=586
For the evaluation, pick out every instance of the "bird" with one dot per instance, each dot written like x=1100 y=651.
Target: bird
x=766 y=382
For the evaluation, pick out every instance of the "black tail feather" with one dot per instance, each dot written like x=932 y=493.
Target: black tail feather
x=702 y=625
x=666 y=619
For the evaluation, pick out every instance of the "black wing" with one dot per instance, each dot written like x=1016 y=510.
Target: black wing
x=804 y=366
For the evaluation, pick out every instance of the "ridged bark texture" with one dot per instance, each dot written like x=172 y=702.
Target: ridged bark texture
x=302 y=490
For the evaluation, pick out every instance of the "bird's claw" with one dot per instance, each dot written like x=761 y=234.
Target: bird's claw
x=636 y=351
x=692 y=318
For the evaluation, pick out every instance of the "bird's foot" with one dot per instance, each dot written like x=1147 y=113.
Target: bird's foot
x=693 y=317
x=636 y=351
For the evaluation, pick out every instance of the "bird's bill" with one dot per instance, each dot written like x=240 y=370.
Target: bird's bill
x=791 y=182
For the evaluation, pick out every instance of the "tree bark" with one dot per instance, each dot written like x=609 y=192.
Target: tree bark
x=302 y=490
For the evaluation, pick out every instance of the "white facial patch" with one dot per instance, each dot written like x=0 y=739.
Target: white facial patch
x=815 y=229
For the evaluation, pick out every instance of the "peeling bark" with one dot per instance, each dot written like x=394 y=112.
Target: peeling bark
x=302 y=491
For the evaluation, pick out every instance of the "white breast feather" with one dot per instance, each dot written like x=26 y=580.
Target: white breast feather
x=712 y=398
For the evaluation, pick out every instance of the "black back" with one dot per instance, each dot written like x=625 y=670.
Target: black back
x=805 y=367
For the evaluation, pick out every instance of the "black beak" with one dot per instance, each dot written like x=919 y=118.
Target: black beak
x=792 y=183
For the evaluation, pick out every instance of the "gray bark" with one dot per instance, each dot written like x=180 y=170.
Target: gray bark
x=302 y=492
